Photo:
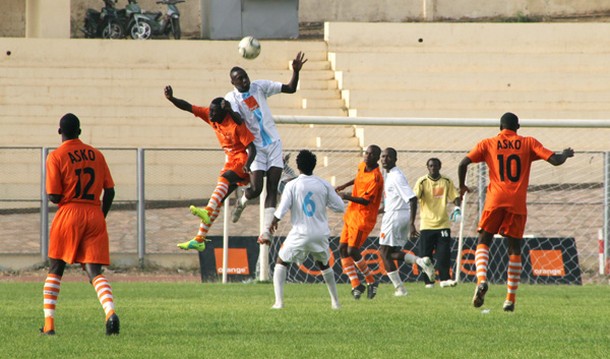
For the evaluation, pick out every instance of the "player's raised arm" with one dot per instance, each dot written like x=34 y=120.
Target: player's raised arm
x=181 y=104
x=297 y=65
x=559 y=159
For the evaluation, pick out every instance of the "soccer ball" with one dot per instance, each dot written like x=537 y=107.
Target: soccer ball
x=249 y=47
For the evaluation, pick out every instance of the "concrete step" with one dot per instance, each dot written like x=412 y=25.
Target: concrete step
x=156 y=53
x=94 y=96
x=418 y=99
x=496 y=63
x=49 y=76
x=457 y=110
x=138 y=94
x=473 y=81
x=468 y=37
x=507 y=103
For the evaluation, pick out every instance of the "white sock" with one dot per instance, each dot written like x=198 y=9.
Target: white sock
x=279 y=278
x=395 y=278
x=329 y=278
x=411 y=258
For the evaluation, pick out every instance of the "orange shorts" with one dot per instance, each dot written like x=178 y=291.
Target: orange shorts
x=353 y=236
x=500 y=221
x=78 y=235
x=236 y=163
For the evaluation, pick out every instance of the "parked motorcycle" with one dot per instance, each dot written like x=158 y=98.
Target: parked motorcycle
x=130 y=17
x=151 y=24
x=103 y=24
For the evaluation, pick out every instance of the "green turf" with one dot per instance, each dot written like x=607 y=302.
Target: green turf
x=188 y=320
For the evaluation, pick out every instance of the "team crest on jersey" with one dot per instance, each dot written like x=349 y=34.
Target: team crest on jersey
x=251 y=103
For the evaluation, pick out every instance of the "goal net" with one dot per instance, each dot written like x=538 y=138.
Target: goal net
x=567 y=205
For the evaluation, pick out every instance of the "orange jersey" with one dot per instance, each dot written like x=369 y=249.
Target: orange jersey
x=233 y=138
x=367 y=185
x=78 y=172
x=509 y=158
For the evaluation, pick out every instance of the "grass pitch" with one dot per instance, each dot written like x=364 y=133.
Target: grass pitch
x=193 y=320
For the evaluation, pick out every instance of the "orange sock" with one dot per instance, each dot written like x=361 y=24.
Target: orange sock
x=50 y=293
x=104 y=294
x=366 y=271
x=222 y=187
x=481 y=259
x=513 y=276
x=204 y=228
x=350 y=270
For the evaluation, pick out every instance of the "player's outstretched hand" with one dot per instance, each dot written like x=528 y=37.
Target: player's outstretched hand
x=297 y=63
x=568 y=152
x=169 y=92
x=273 y=226
x=463 y=189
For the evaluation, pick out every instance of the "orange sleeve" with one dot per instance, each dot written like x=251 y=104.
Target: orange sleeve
x=103 y=168
x=540 y=152
x=53 y=180
x=477 y=153
x=202 y=112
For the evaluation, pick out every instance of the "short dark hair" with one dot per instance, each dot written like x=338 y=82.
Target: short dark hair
x=434 y=159
x=236 y=68
x=376 y=149
x=510 y=121
x=306 y=161
x=392 y=152
x=69 y=125
x=217 y=101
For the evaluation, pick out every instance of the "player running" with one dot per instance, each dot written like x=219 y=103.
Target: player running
x=306 y=197
x=509 y=157
x=238 y=144
x=250 y=100
x=360 y=219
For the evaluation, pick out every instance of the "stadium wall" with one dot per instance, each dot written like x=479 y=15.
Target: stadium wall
x=13 y=15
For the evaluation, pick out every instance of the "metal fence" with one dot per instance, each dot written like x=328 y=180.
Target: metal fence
x=155 y=186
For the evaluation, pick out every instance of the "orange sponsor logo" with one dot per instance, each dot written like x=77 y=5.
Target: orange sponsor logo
x=547 y=262
x=251 y=103
x=438 y=192
x=237 y=262
x=468 y=262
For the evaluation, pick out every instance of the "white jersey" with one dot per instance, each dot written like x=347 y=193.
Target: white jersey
x=397 y=191
x=307 y=197
x=253 y=108
x=396 y=219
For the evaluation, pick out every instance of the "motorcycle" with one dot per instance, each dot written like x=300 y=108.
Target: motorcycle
x=149 y=24
x=103 y=24
x=130 y=17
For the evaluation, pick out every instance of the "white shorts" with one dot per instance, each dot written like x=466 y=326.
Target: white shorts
x=395 y=228
x=267 y=157
x=297 y=247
